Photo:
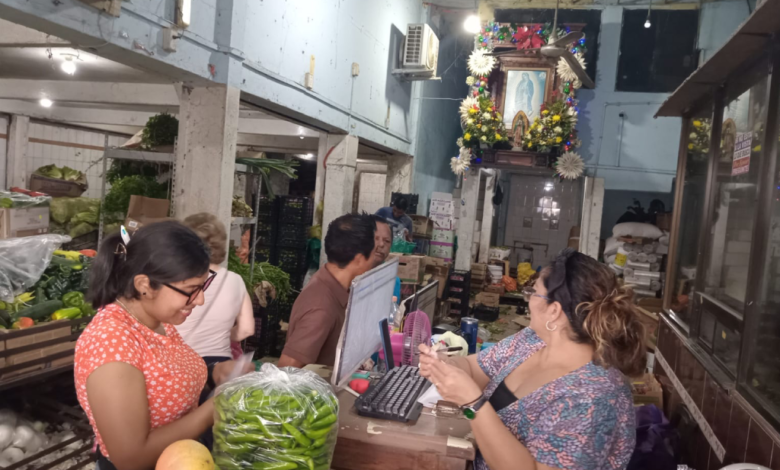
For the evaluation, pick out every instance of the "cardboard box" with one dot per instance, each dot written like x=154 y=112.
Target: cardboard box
x=431 y=262
x=443 y=236
x=411 y=268
x=23 y=222
x=422 y=227
x=442 y=252
x=438 y=270
x=488 y=299
x=442 y=221
x=664 y=221
x=496 y=289
x=144 y=211
x=647 y=391
x=21 y=358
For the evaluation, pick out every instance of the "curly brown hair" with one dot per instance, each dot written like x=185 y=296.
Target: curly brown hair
x=212 y=232
x=601 y=312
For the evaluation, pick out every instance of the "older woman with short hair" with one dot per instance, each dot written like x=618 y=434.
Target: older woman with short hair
x=227 y=313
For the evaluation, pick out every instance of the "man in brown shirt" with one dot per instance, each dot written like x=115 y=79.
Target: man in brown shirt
x=318 y=314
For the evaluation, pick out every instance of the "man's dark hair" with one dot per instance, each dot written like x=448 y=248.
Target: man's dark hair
x=401 y=203
x=349 y=236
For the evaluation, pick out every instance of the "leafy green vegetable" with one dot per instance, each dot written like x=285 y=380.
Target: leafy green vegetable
x=263 y=272
x=122 y=168
x=69 y=174
x=118 y=199
x=64 y=209
x=49 y=171
x=161 y=129
x=81 y=229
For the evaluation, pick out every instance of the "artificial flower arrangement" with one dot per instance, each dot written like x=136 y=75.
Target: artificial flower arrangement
x=699 y=139
x=482 y=123
x=555 y=129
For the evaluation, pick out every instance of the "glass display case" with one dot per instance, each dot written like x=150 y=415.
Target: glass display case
x=724 y=258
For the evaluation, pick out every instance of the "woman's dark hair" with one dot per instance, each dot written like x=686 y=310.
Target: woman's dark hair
x=167 y=252
x=600 y=311
x=348 y=236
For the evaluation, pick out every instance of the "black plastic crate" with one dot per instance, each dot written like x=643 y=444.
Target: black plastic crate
x=291 y=260
x=460 y=278
x=458 y=309
x=484 y=313
x=264 y=341
x=266 y=234
x=295 y=210
x=263 y=254
x=292 y=236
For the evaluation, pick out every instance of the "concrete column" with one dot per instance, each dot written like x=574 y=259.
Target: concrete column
x=339 y=183
x=327 y=141
x=469 y=202
x=18 y=134
x=399 y=176
x=488 y=212
x=206 y=151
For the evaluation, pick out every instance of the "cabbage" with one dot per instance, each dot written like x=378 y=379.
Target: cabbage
x=50 y=171
x=12 y=455
x=23 y=436
x=69 y=174
x=6 y=435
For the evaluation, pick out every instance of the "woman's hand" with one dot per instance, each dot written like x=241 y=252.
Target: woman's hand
x=222 y=371
x=454 y=384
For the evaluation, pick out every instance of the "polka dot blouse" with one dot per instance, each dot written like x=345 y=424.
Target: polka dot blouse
x=174 y=373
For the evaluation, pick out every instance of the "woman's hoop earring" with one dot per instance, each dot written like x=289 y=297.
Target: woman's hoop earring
x=547 y=325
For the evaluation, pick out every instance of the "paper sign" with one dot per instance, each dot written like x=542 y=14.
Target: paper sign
x=742 y=146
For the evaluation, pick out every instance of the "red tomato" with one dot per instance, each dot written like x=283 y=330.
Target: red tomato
x=359 y=385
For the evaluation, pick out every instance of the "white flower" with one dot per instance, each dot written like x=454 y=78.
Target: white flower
x=470 y=81
x=693 y=135
x=459 y=142
x=566 y=73
x=558 y=130
x=570 y=166
x=465 y=154
x=480 y=64
x=484 y=138
x=486 y=116
x=459 y=165
x=466 y=105
x=470 y=122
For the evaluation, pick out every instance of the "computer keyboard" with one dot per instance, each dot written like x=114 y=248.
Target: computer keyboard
x=394 y=396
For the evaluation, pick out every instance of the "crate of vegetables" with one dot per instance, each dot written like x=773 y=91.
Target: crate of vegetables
x=282 y=419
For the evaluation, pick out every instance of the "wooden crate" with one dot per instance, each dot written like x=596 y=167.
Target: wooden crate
x=39 y=348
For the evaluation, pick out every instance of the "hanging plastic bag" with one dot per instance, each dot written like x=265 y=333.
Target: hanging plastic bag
x=23 y=260
x=276 y=418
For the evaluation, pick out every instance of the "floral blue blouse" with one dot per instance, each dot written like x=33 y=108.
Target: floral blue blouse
x=583 y=420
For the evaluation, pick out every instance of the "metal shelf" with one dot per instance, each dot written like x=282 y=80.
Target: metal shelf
x=139 y=155
x=243 y=221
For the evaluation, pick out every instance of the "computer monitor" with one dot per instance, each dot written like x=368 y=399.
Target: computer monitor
x=370 y=300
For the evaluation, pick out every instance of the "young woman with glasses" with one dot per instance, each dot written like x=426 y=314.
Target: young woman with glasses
x=136 y=379
x=554 y=396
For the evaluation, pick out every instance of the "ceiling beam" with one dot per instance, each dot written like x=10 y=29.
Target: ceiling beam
x=14 y=35
x=90 y=92
x=278 y=144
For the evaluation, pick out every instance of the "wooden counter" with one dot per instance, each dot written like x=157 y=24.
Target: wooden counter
x=431 y=443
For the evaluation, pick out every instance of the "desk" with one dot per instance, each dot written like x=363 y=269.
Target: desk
x=372 y=444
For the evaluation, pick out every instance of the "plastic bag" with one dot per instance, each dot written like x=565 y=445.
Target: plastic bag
x=276 y=418
x=23 y=260
x=400 y=245
x=12 y=200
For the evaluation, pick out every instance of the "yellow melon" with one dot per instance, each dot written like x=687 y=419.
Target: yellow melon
x=185 y=455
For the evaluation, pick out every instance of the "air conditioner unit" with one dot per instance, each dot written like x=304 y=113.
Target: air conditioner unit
x=420 y=53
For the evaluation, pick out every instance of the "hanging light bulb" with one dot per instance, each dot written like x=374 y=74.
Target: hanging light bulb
x=69 y=67
x=46 y=102
x=472 y=24
x=647 y=23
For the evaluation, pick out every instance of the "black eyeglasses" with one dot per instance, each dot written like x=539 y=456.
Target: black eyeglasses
x=191 y=296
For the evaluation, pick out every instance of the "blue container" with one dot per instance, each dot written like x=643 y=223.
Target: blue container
x=469 y=328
